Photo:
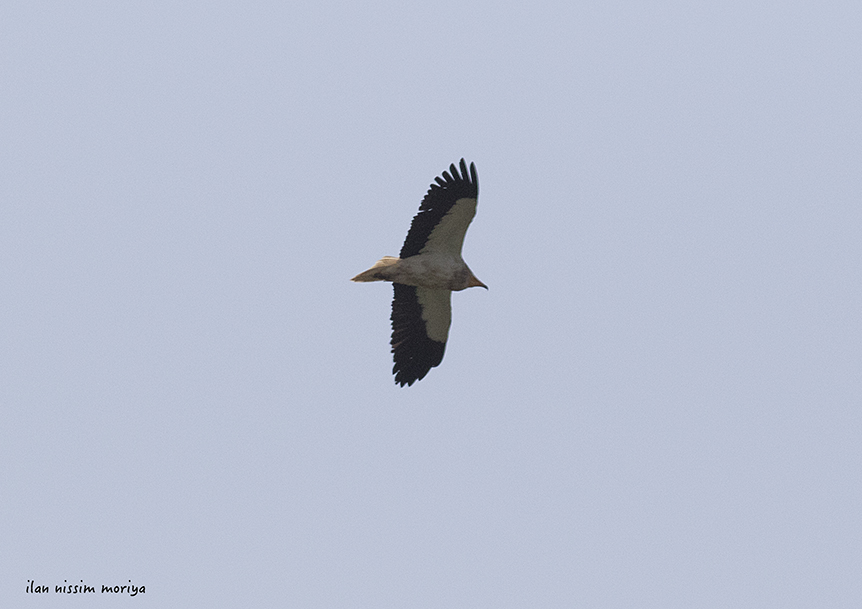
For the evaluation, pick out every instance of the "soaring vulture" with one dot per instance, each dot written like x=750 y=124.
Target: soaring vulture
x=428 y=270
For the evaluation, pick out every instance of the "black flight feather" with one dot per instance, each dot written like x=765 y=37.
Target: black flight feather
x=437 y=202
x=414 y=353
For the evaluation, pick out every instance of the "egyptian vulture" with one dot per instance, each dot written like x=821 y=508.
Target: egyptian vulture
x=426 y=273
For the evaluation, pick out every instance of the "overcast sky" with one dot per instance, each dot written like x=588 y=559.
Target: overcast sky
x=658 y=403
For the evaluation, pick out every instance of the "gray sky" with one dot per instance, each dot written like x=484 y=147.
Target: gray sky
x=656 y=404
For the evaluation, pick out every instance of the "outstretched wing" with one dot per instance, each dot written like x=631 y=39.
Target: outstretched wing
x=445 y=213
x=420 y=326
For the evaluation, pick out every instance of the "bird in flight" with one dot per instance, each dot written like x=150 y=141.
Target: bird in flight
x=426 y=273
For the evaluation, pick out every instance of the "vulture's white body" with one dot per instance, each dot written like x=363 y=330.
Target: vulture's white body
x=435 y=270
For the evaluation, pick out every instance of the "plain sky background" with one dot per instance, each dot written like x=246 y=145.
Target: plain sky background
x=658 y=403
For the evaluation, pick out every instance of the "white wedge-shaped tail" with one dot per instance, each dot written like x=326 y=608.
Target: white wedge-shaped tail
x=375 y=273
